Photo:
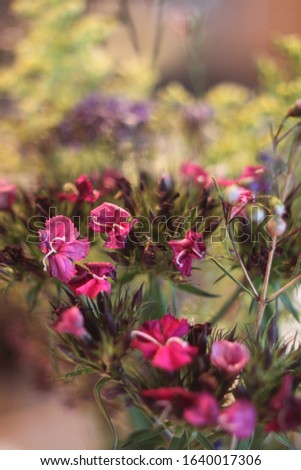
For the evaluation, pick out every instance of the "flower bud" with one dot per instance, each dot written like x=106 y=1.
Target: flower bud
x=276 y=226
x=232 y=194
x=257 y=214
x=295 y=111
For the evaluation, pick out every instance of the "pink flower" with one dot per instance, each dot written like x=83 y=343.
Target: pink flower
x=195 y=173
x=94 y=280
x=60 y=245
x=203 y=411
x=159 y=340
x=113 y=220
x=71 y=322
x=186 y=250
x=7 y=195
x=82 y=191
x=239 y=419
x=245 y=196
x=197 y=409
x=229 y=357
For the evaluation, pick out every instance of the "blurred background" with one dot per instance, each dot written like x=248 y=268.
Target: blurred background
x=184 y=60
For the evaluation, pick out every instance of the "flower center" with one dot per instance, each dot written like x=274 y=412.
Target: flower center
x=52 y=250
x=146 y=336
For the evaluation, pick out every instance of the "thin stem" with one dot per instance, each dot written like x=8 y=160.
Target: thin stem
x=278 y=140
x=291 y=165
x=263 y=296
x=242 y=264
x=283 y=289
x=158 y=32
x=234 y=443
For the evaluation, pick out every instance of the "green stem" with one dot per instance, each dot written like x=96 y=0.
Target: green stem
x=263 y=296
x=283 y=289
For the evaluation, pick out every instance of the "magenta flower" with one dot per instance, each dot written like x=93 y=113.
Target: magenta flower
x=229 y=357
x=7 y=195
x=71 y=322
x=239 y=419
x=94 y=280
x=195 y=173
x=114 y=221
x=160 y=341
x=61 y=247
x=203 y=411
x=186 y=250
x=82 y=191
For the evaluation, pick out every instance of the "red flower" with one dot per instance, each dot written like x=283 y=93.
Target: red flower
x=60 y=245
x=228 y=356
x=82 y=191
x=159 y=340
x=7 y=195
x=71 y=322
x=197 y=409
x=113 y=220
x=94 y=280
x=239 y=419
x=186 y=250
x=195 y=173
x=285 y=407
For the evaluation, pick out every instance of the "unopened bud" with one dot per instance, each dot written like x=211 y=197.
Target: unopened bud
x=276 y=226
x=279 y=209
x=232 y=194
x=295 y=111
x=257 y=214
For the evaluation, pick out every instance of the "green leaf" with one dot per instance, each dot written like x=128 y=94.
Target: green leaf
x=145 y=439
x=244 y=444
x=284 y=441
x=76 y=372
x=227 y=305
x=289 y=306
x=31 y=296
x=97 y=394
x=203 y=441
x=231 y=276
x=191 y=289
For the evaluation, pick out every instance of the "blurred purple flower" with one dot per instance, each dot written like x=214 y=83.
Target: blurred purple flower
x=103 y=117
x=239 y=419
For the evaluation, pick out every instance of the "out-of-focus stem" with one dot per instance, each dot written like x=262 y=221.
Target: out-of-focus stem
x=283 y=289
x=263 y=296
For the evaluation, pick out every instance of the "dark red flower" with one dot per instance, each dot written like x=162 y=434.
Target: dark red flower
x=196 y=408
x=82 y=191
x=7 y=195
x=186 y=250
x=94 y=280
x=285 y=408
